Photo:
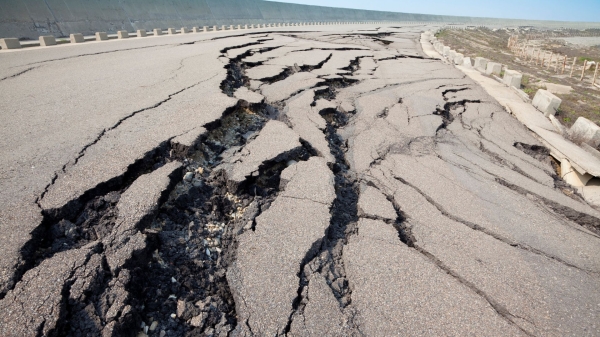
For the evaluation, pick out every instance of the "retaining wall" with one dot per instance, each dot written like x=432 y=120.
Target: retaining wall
x=28 y=19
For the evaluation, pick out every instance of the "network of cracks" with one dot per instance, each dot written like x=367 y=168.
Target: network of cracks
x=175 y=283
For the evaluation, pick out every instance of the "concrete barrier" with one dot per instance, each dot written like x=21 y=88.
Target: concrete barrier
x=205 y=28
x=451 y=55
x=101 y=36
x=245 y=26
x=172 y=31
x=122 y=34
x=215 y=28
x=10 y=43
x=586 y=131
x=467 y=62
x=184 y=30
x=458 y=59
x=445 y=50
x=481 y=63
x=546 y=102
x=195 y=30
x=141 y=33
x=493 y=68
x=512 y=78
x=157 y=32
x=76 y=38
x=230 y=27
x=48 y=40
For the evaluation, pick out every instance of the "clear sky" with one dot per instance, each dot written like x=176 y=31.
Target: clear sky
x=561 y=10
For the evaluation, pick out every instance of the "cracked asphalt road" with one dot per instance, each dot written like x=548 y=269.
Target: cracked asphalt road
x=299 y=182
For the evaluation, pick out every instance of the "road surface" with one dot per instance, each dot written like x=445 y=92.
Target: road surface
x=300 y=181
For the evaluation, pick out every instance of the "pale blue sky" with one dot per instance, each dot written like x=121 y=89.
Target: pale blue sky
x=579 y=10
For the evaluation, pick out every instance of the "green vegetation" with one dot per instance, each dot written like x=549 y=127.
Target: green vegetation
x=529 y=91
x=442 y=33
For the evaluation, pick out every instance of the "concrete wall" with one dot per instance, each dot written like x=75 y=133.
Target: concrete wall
x=32 y=18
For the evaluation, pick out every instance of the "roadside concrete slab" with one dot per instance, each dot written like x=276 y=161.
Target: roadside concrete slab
x=581 y=160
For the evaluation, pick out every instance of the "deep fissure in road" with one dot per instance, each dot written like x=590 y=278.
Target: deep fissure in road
x=325 y=255
x=196 y=235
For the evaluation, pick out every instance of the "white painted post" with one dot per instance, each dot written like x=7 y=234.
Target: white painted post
x=583 y=70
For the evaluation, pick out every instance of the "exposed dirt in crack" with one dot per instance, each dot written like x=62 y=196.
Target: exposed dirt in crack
x=325 y=256
x=184 y=287
x=236 y=69
x=451 y=110
x=85 y=219
x=289 y=71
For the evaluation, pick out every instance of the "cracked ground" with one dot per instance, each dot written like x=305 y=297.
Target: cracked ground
x=302 y=182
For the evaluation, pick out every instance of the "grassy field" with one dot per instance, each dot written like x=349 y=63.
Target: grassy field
x=583 y=100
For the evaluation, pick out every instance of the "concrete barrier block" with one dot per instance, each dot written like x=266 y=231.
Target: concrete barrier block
x=141 y=33
x=48 y=40
x=122 y=34
x=445 y=50
x=223 y=27
x=184 y=30
x=215 y=28
x=451 y=54
x=481 y=63
x=158 y=32
x=546 y=102
x=512 y=78
x=195 y=30
x=205 y=28
x=172 y=31
x=239 y=26
x=493 y=68
x=586 y=131
x=10 y=43
x=245 y=26
x=458 y=59
x=467 y=62
x=230 y=27
x=101 y=36
x=76 y=38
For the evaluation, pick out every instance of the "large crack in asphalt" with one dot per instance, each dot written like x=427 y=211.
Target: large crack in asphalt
x=586 y=221
x=486 y=231
x=144 y=288
x=404 y=229
x=289 y=71
x=184 y=287
x=325 y=255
